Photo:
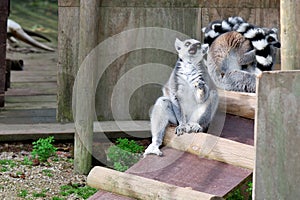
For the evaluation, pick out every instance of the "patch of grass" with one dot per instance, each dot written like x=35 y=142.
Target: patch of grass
x=84 y=192
x=43 y=148
x=40 y=194
x=57 y=198
x=26 y=161
x=124 y=154
x=23 y=193
x=47 y=172
x=7 y=162
x=37 y=15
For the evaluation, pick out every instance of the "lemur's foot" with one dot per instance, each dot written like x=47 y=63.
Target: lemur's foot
x=195 y=127
x=153 y=149
x=182 y=128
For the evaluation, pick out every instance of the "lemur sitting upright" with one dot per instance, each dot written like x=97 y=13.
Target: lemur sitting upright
x=189 y=99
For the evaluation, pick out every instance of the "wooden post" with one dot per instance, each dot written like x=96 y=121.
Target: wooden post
x=85 y=86
x=68 y=42
x=290 y=34
x=4 y=9
x=277 y=138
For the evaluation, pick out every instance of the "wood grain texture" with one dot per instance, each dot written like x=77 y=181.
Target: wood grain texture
x=187 y=17
x=238 y=103
x=4 y=10
x=130 y=185
x=277 y=136
x=290 y=34
x=212 y=147
x=68 y=42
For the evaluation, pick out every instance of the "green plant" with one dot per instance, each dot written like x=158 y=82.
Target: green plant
x=40 y=194
x=84 y=192
x=7 y=162
x=43 y=148
x=124 y=154
x=23 y=193
x=47 y=172
x=26 y=161
x=57 y=198
x=235 y=195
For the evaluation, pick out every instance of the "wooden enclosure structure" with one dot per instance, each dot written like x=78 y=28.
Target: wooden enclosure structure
x=4 y=11
x=110 y=42
x=112 y=17
x=102 y=21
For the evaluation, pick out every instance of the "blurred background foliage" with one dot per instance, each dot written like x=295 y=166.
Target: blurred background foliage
x=37 y=15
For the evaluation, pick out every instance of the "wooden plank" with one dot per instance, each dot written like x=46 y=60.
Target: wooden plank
x=212 y=147
x=238 y=103
x=187 y=170
x=130 y=185
x=27 y=131
x=277 y=139
x=290 y=44
x=33 y=76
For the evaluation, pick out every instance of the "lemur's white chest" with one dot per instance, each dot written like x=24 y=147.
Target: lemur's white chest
x=188 y=72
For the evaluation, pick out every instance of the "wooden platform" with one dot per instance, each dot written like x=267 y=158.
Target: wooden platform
x=186 y=170
x=32 y=96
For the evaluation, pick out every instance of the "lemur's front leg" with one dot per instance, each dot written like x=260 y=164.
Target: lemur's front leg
x=162 y=114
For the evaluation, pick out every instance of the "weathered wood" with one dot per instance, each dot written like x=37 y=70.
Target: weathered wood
x=130 y=185
x=68 y=42
x=4 y=10
x=277 y=139
x=137 y=14
x=290 y=34
x=212 y=147
x=238 y=103
x=84 y=89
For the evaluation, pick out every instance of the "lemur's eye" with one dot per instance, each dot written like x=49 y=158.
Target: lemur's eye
x=270 y=39
x=198 y=45
x=187 y=44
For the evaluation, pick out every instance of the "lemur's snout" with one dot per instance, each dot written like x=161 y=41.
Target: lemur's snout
x=277 y=44
x=194 y=47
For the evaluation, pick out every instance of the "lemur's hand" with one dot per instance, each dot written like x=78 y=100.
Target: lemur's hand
x=201 y=83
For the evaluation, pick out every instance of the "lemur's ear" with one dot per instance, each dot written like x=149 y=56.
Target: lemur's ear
x=178 y=44
x=275 y=30
x=204 y=48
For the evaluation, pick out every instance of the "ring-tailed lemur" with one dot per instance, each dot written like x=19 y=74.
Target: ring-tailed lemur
x=189 y=99
x=264 y=40
x=227 y=54
x=218 y=27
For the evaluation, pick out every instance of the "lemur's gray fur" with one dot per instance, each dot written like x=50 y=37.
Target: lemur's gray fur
x=227 y=54
x=264 y=40
x=189 y=99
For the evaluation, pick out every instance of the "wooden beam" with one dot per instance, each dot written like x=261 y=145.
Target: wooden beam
x=238 y=103
x=85 y=87
x=141 y=188
x=4 y=10
x=277 y=138
x=290 y=44
x=212 y=147
x=19 y=132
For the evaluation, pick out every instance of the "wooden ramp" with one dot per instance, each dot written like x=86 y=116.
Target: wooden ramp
x=31 y=98
x=213 y=169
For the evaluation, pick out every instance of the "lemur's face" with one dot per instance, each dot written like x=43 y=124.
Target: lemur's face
x=190 y=50
x=272 y=38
